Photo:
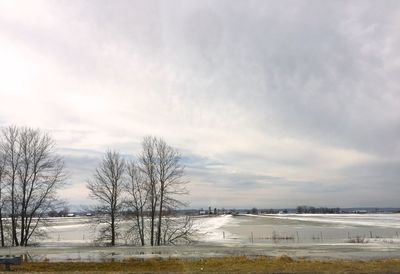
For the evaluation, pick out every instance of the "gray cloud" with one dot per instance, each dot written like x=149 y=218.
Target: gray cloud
x=295 y=99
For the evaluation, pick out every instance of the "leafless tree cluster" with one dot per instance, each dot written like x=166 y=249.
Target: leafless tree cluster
x=30 y=174
x=149 y=188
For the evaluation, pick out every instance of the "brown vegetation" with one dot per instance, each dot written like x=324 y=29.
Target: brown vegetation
x=283 y=264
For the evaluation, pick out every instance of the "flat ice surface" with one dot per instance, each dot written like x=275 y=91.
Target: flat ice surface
x=358 y=236
x=378 y=220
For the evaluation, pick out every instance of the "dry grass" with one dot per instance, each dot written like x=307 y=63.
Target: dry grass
x=260 y=264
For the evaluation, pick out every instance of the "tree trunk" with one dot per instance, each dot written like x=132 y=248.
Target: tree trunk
x=112 y=229
x=1 y=229
x=13 y=215
x=153 y=213
x=142 y=227
x=160 y=215
x=152 y=226
x=22 y=239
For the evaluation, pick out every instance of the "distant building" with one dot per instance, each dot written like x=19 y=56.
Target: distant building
x=360 y=211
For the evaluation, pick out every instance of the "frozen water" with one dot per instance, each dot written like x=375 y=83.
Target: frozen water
x=378 y=220
x=312 y=235
x=210 y=228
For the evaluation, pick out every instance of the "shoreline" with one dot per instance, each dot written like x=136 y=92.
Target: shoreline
x=202 y=251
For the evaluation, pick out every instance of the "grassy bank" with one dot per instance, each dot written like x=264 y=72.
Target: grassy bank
x=282 y=264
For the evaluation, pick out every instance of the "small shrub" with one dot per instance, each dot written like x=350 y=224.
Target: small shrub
x=358 y=240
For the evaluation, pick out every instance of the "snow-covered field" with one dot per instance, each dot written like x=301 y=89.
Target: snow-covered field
x=313 y=235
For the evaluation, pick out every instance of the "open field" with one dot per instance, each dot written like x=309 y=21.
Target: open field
x=242 y=264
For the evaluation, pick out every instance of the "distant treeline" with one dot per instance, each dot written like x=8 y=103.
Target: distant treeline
x=311 y=209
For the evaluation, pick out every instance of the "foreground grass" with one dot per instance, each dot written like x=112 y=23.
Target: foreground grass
x=282 y=264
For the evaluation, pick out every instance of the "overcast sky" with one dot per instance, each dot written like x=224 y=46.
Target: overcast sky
x=271 y=103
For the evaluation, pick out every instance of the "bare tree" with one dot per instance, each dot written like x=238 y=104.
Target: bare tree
x=169 y=174
x=160 y=164
x=12 y=155
x=39 y=175
x=106 y=187
x=33 y=173
x=147 y=165
x=137 y=200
